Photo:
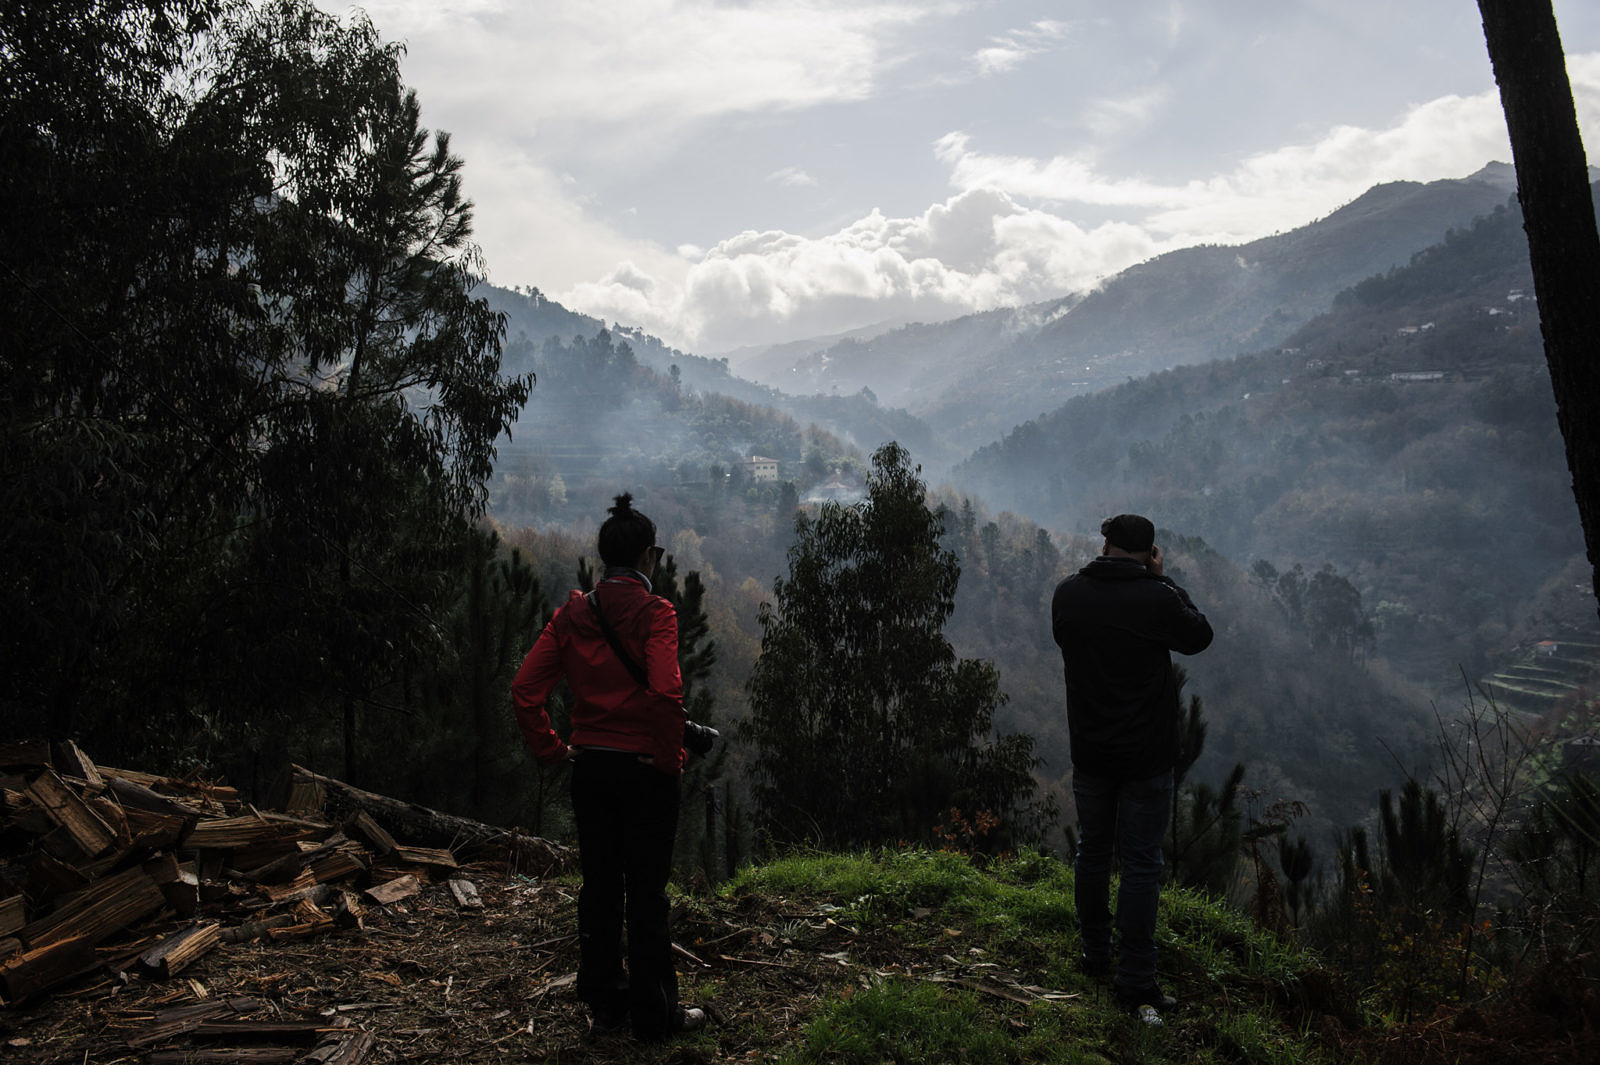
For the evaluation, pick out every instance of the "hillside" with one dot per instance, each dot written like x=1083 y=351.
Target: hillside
x=976 y=377
x=1407 y=437
x=906 y=956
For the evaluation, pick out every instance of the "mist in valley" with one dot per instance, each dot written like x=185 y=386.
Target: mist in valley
x=1373 y=509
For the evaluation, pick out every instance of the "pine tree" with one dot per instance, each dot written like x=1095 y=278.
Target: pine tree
x=866 y=727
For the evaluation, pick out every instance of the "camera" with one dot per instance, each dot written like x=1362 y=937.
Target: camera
x=698 y=738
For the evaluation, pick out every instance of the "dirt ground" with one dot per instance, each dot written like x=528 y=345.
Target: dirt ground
x=428 y=980
x=435 y=982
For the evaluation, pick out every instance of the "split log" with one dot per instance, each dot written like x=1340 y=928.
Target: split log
x=71 y=760
x=13 y=914
x=364 y=827
x=88 y=832
x=430 y=856
x=98 y=910
x=431 y=828
x=181 y=1020
x=230 y=833
x=132 y=794
x=256 y=929
x=175 y=952
x=50 y=878
x=350 y=1048
x=401 y=887
x=42 y=968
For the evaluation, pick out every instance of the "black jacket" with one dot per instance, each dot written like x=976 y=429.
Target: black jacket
x=1116 y=623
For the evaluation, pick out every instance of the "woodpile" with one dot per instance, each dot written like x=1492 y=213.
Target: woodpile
x=115 y=871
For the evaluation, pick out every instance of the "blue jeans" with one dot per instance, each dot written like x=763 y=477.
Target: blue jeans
x=1130 y=815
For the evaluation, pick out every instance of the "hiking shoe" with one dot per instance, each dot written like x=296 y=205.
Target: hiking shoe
x=689 y=1019
x=1094 y=967
x=604 y=1025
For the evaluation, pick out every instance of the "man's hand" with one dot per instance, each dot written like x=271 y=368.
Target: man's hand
x=1155 y=565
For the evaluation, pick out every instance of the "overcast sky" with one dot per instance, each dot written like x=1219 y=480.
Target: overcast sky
x=749 y=171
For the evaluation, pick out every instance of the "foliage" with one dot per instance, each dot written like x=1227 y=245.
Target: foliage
x=250 y=399
x=865 y=725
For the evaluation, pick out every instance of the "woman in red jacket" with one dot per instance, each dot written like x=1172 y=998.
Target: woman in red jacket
x=618 y=649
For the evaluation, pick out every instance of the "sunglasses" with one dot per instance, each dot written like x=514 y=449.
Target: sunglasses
x=655 y=554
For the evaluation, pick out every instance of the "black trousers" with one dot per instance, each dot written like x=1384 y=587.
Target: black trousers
x=627 y=815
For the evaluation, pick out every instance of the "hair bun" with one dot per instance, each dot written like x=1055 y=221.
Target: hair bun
x=624 y=505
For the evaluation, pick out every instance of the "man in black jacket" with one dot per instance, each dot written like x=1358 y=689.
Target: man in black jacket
x=1116 y=621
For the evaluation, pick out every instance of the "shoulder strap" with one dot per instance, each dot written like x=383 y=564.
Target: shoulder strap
x=616 y=645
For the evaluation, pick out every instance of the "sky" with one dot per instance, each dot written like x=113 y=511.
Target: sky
x=726 y=173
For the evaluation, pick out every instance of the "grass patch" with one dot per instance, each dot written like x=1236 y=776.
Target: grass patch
x=902 y=1022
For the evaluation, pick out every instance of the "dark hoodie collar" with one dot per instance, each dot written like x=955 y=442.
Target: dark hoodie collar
x=1115 y=567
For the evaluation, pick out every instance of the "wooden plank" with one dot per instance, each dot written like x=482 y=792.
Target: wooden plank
x=64 y=806
x=98 y=910
x=9 y=945
x=175 y=952
x=401 y=887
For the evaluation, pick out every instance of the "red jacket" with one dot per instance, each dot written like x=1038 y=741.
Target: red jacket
x=610 y=709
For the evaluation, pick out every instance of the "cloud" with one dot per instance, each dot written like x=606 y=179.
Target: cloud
x=791 y=177
x=1006 y=235
x=976 y=251
x=567 y=64
x=1011 y=50
x=1273 y=190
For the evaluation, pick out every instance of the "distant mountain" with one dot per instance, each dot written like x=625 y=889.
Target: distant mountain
x=1407 y=437
x=533 y=319
x=976 y=377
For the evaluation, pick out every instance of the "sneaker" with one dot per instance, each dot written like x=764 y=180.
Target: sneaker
x=1094 y=967
x=603 y=1025
x=689 y=1019
x=1147 y=1002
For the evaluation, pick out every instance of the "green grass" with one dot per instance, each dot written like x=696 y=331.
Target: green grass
x=1015 y=918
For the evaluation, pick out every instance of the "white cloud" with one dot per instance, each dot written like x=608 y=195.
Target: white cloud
x=1004 y=237
x=791 y=177
x=976 y=251
x=1448 y=137
x=572 y=63
x=1012 y=49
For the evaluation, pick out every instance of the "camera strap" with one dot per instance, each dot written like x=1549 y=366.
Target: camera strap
x=616 y=644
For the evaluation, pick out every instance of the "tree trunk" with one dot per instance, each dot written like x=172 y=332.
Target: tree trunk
x=430 y=828
x=1558 y=215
